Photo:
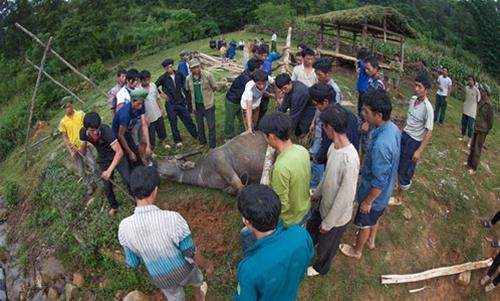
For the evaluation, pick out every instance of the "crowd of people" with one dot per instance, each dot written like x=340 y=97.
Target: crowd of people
x=310 y=200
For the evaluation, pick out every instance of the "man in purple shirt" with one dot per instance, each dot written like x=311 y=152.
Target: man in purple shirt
x=112 y=93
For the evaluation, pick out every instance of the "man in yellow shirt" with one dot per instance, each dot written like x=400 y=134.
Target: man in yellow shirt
x=69 y=127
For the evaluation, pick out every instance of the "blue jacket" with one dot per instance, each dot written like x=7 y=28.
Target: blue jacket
x=268 y=64
x=381 y=164
x=363 y=77
x=274 y=266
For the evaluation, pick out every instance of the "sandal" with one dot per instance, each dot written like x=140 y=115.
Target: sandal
x=348 y=251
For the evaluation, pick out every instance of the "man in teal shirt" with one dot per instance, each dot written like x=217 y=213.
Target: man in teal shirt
x=274 y=266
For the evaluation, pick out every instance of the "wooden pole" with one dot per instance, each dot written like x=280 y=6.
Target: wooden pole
x=54 y=81
x=337 y=40
x=34 y=37
x=286 y=59
x=33 y=98
x=402 y=53
x=268 y=163
x=322 y=29
x=354 y=42
x=364 y=35
x=385 y=31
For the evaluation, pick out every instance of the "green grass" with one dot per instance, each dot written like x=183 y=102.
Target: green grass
x=447 y=206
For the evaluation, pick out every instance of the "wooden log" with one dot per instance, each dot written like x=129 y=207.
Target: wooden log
x=337 y=40
x=54 y=81
x=438 y=272
x=402 y=54
x=364 y=35
x=33 y=98
x=286 y=59
x=347 y=57
x=387 y=31
x=268 y=163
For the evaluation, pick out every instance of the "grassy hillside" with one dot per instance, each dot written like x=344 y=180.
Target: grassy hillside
x=447 y=207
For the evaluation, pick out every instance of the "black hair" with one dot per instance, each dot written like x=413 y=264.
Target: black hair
x=259 y=75
x=424 y=80
x=379 y=102
x=254 y=64
x=471 y=76
x=372 y=61
x=336 y=117
x=298 y=53
x=261 y=206
x=278 y=124
x=91 y=120
x=132 y=74
x=444 y=67
x=424 y=63
x=323 y=64
x=303 y=46
x=120 y=72
x=321 y=91
x=263 y=49
x=282 y=80
x=362 y=53
x=255 y=48
x=144 y=74
x=307 y=52
x=143 y=181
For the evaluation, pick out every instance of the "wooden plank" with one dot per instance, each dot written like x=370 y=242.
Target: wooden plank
x=438 y=272
x=347 y=57
x=268 y=164
x=385 y=30
x=382 y=30
x=337 y=40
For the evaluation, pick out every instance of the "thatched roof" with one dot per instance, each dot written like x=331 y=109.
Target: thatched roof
x=369 y=14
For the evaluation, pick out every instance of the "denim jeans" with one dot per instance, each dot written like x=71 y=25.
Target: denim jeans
x=317 y=169
x=467 y=125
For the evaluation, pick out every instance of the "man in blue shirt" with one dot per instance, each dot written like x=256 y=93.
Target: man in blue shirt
x=362 y=82
x=379 y=171
x=184 y=69
x=274 y=266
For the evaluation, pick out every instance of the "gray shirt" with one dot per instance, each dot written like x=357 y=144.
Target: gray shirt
x=338 y=94
x=337 y=188
x=420 y=119
x=153 y=111
x=472 y=97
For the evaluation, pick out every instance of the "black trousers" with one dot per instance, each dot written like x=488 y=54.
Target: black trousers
x=209 y=114
x=328 y=243
x=189 y=99
x=124 y=170
x=180 y=110
x=476 y=147
x=157 y=128
x=493 y=268
x=264 y=105
x=131 y=144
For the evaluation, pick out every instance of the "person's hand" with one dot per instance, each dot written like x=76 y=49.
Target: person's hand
x=163 y=114
x=365 y=207
x=416 y=155
x=106 y=174
x=321 y=230
x=73 y=153
x=148 y=150
x=247 y=132
x=365 y=127
x=132 y=156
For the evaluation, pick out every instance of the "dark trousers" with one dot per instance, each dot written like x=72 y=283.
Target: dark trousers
x=124 y=170
x=179 y=110
x=328 y=243
x=440 y=108
x=476 y=146
x=131 y=144
x=264 y=105
x=157 y=128
x=360 y=106
x=273 y=46
x=187 y=93
x=209 y=115
x=496 y=218
x=493 y=268
x=406 y=167
x=232 y=112
x=467 y=125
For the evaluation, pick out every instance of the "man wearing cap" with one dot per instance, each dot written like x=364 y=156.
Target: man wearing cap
x=124 y=122
x=482 y=126
x=70 y=126
x=184 y=68
x=203 y=86
x=122 y=73
x=172 y=85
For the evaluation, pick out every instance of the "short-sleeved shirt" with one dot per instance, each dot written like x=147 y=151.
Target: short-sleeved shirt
x=123 y=96
x=153 y=111
x=198 y=95
x=112 y=95
x=363 y=77
x=445 y=83
x=300 y=74
x=420 y=119
x=127 y=118
x=71 y=126
x=472 y=97
x=103 y=143
x=251 y=92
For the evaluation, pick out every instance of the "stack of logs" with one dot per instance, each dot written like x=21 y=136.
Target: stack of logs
x=216 y=63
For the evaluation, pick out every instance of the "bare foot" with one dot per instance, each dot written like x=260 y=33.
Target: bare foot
x=349 y=251
x=112 y=212
x=371 y=244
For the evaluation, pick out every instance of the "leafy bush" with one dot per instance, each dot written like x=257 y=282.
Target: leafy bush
x=10 y=192
x=96 y=71
x=278 y=17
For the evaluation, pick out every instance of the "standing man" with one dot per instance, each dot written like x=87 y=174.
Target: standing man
x=154 y=111
x=184 y=69
x=323 y=68
x=251 y=98
x=379 y=171
x=444 y=91
x=274 y=266
x=305 y=71
x=203 y=86
x=472 y=97
x=298 y=101
x=335 y=194
x=109 y=155
x=416 y=135
x=162 y=240
x=274 y=40
x=172 y=85
x=70 y=126
x=363 y=77
x=123 y=95
x=483 y=125
x=122 y=73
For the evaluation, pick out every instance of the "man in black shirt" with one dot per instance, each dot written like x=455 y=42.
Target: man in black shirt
x=172 y=84
x=110 y=154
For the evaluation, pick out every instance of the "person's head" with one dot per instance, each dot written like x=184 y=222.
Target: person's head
x=308 y=57
x=184 y=55
x=122 y=76
x=485 y=91
x=168 y=65
x=301 y=47
x=323 y=69
x=254 y=64
x=137 y=98
x=377 y=107
x=334 y=120
x=396 y=57
x=284 y=83
x=422 y=86
x=67 y=104
x=91 y=123
x=322 y=95
x=362 y=53
x=444 y=71
x=277 y=127
x=260 y=207
x=132 y=78
x=144 y=183
x=260 y=78
x=471 y=81
x=298 y=57
x=262 y=52
x=195 y=67
x=371 y=66
x=145 y=77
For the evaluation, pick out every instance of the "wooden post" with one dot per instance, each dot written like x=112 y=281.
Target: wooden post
x=55 y=81
x=268 y=163
x=364 y=35
x=385 y=31
x=337 y=40
x=322 y=28
x=34 y=37
x=371 y=45
x=286 y=59
x=354 y=42
x=402 y=53
x=33 y=98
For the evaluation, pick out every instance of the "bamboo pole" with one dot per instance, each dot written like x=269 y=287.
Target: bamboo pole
x=268 y=163
x=385 y=31
x=33 y=98
x=286 y=59
x=34 y=37
x=54 y=81
x=363 y=36
x=402 y=53
x=337 y=40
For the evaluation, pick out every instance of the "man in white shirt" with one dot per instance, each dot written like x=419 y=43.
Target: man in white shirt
x=305 y=72
x=472 y=97
x=274 y=39
x=250 y=100
x=444 y=91
x=123 y=95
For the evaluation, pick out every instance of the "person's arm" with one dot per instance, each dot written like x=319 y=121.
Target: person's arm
x=381 y=169
x=297 y=109
x=280 y=183
x=145 y=133
x=321 y=155
x=248 y=116
x=116 y=160
x=212 y=82
x=489 y=118
x=418 y=153
x=121 y=137
x=83 y=147
x=70 y=147
x=366 y=205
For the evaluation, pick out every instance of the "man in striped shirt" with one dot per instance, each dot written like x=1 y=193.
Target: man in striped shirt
x=162 y=240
